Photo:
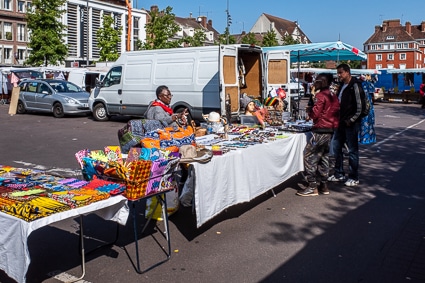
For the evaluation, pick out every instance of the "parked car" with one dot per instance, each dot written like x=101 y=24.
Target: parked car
x=55 y=96
x=378 y=95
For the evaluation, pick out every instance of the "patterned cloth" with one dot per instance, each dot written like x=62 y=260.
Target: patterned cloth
x=367 y=134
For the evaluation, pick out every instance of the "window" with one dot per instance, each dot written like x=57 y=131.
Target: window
x=390 y=66
x=390 y=56
x=378 y=66
x=402 y=66
x=378 y=57
x=21 y=6
x=7 y=31
x=405 y=45
x=399 y=46
x=7 y=55
x=21 y=32
x=7 y=5
x=113 y=77
x=21 y=54
x=390 y=37
x=402 y=56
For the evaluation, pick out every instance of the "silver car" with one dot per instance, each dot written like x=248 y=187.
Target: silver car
x=55 y=96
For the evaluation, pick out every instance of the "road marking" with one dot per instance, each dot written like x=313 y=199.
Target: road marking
x=52 y=170
x=398 y=133
x=65 y=277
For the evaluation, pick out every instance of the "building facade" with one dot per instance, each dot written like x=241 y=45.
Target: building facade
x=394 y=46
x=280 y=26
x=83 y=19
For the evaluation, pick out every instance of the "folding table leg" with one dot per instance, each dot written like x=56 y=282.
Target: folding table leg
x=83 y=254
x=161 y=200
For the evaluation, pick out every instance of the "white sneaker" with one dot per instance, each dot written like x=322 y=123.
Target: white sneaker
x=333 y=178
x=351 y=182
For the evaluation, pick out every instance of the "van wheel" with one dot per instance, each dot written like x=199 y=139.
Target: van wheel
x=58 y=110
x=21 y=108
x=99 y=113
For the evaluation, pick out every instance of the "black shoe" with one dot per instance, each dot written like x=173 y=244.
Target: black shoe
x=323 y=188
x=308 y=192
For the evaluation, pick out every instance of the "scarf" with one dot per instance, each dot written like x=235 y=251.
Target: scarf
x=163 y=106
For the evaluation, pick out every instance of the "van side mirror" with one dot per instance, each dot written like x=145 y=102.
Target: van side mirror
x=99 y=83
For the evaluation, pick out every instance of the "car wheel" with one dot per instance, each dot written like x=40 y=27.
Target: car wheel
x=58 y=110
x=99 y=113
x=20 y=109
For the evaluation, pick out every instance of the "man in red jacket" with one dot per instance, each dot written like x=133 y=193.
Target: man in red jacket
x=325 y=116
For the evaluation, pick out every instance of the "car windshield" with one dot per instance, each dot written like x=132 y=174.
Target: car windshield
x=64 y=86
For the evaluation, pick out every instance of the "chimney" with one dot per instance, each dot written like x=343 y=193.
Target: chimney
x=210 y=23
x=422 y=26
x=408 y=27
x=384 y=27
x=377 y=28
x=203 y=21
x=154 y=8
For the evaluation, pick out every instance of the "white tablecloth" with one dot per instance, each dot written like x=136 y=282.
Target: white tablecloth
x=241 y=175
x=14 y=232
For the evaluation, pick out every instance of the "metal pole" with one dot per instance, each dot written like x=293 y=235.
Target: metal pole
x=87 y=37
x=228 y=24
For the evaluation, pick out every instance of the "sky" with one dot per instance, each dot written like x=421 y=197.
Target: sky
x=352 y=22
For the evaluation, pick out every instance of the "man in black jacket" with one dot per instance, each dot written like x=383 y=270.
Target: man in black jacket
x=349 y=125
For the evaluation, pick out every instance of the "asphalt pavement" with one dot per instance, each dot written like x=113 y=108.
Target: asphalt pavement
x=371 y=233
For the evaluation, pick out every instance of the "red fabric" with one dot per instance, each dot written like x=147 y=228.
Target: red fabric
x=421 y=89
x=165 y=107
x=325 y=112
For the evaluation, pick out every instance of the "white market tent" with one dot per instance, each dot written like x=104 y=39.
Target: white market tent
x=403 y=71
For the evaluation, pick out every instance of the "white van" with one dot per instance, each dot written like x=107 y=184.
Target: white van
x=84 y=78
x=199 y=78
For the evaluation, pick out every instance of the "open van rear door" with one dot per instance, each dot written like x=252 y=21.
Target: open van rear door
x=277 y=71
x=229 y=78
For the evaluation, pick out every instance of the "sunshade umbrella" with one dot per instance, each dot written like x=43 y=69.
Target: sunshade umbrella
x=321 y=51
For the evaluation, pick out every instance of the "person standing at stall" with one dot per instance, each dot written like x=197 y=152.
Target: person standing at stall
x=325 y=116
x=349 y=96
x=422 y=93
x=160 y=108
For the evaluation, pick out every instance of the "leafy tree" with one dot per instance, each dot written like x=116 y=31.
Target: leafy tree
x=160 y=29
x=197 y=39
x=269 y=39
x=222 y=38
x=108 y=37
x=46 y=33
x=249 y=38
x=289 y=40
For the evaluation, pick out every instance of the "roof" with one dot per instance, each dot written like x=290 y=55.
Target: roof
x=283 y=26
x=397 y=31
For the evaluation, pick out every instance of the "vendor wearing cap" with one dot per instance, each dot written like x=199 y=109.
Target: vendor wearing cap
x=160 y=108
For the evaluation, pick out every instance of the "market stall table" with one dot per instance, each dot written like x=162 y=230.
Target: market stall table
x=241 y=175
x=14 y=232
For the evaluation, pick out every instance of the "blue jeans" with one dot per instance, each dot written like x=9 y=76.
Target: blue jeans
x=346 y=135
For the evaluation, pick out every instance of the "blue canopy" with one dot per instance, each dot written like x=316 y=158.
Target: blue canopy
x=322 y=51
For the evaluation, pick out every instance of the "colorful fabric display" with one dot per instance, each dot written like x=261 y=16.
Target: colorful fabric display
x=130 y=135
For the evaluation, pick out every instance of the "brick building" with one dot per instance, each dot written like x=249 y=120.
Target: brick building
x=394 y=46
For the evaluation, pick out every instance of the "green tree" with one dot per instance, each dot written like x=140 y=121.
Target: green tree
x=46 y=33
x=108 y=38
x=289 y=40
x=269 y=39
x=222 y=38
x=249 y=38
x=197 y=39
x=160 y=29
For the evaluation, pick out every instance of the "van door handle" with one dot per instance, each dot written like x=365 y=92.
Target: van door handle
x=120 y=91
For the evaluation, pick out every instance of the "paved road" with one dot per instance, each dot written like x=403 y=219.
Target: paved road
x=371 y=233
